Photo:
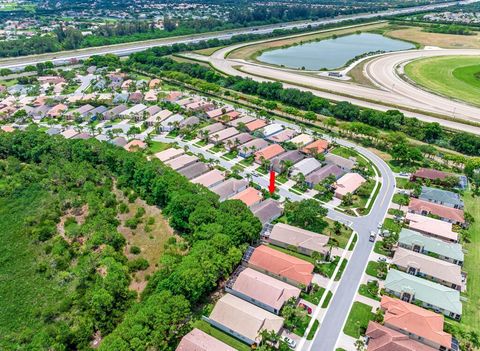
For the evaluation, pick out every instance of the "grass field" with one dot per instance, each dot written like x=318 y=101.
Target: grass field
x=27 y=296
x=358 y=318
x=452 y=76
x=448 y=41
x=251 y=51
x=471 y=312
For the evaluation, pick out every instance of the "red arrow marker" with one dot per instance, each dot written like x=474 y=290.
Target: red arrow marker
x=271 y=187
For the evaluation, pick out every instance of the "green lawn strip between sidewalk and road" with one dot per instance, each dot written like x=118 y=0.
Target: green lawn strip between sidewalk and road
x=313 y=330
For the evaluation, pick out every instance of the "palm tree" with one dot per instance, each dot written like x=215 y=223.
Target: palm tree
x=286 y=165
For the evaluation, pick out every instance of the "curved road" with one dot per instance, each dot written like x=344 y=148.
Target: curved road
x=392 y=91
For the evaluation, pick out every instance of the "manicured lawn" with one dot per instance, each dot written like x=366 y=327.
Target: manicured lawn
x=404 y=183
x=220 y=335
x=157 y=146
x=373 y=270
x=400 y=199
x=341 y=239
x=347 y=153
x=313 y=330
x=230 y=155
x=364 y=291
x=281 y=178
x=314 y=296
x=378 y=248
x=341 y=269
x=327 y=269
x=392 y=226
x=358 y=318
x=301 y=328
x=453 y=76
x=471 y=311
x=327 y=299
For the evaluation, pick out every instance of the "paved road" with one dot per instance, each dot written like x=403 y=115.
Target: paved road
x=127 y=49
x=392 y=90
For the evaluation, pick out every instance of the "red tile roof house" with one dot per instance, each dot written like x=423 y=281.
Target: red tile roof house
x=219 y=112
x=135 y=145
x=260 y=289
x=317 y=147
x=256 y=124
x=198 y=340
x=284 y=267
x=380 y=338
x=249 y=196
x=268 y=153
x=349 y=183
x=416 y=322
x=427 y=173
x=447 y=214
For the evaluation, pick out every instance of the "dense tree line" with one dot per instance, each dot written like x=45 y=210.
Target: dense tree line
x=153 y=61
x=448 y=29
x=215 y=233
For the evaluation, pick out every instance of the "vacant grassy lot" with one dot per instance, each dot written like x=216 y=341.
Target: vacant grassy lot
x=452 y=76
x=471 y=312
x=27 y=296
x=251 y=51
x=358 y=319
x=449 y=41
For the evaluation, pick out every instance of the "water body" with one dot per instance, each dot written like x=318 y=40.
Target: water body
x=332 y=53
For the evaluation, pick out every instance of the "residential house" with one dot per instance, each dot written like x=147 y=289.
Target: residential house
x=171 y=123
x=120 y=98
x=346 y=164
x=255 y=125
x=320 y=174
x=38 y=112
x=57 y=110
x=119 y=141
x=441 y=197
x=189 y=122
x=424 y=292
x=154 y=83
x=227 y=117
x=135 y=145
x=134 y=111
x=430 y=174
x=237 y=140
x=319 y=146
x=242 y=120
x=151 y=96
x=412 y=240
x=83 y=136
x=126 y=84
x=431 y=227
x=82 y=111
x=291 y=156
x=381 y=338
x=181 y=161
x=151 y=111
x=7 y=129
x=301 y=140
x=248 y=149
x=197 y=340
x=267 y=153
x=229 y=188
x=173 y=96
x=261 y=290
x=211 y=129
x=219 y=111
x=210 y=179
x=424 y=266
x=53 y=131
x=267 y=210
x=115 y=112
x=249 y=196
x=222 y=135
x=279 y=265
x=243 y=320
x=305 y=241
x=305 y=166
x=425 y=208
x=417 y=323
x=348 y=183
x=169 y=154
x=269 y=130
x=282 y=136
x=158 y=117
x=69 y=133
x=97 y=112
x=194 y=170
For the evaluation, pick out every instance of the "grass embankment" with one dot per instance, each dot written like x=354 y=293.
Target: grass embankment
x=453 y=76
x=471 y=312
x=27 y=295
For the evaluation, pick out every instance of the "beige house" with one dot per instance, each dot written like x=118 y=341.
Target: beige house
x=305 y=241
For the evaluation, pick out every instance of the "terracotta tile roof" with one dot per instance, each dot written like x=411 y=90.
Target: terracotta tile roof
x=319 y=146
x=385 y=339
x=416 y=320
x=256 y=124
x=281 y=264
x=268 y=152
x=419 y=206
x=198 y=340
x=348 y=183
x=249 y=196
x=432 y=174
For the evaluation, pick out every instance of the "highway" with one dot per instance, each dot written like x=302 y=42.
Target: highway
x=18 y=63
